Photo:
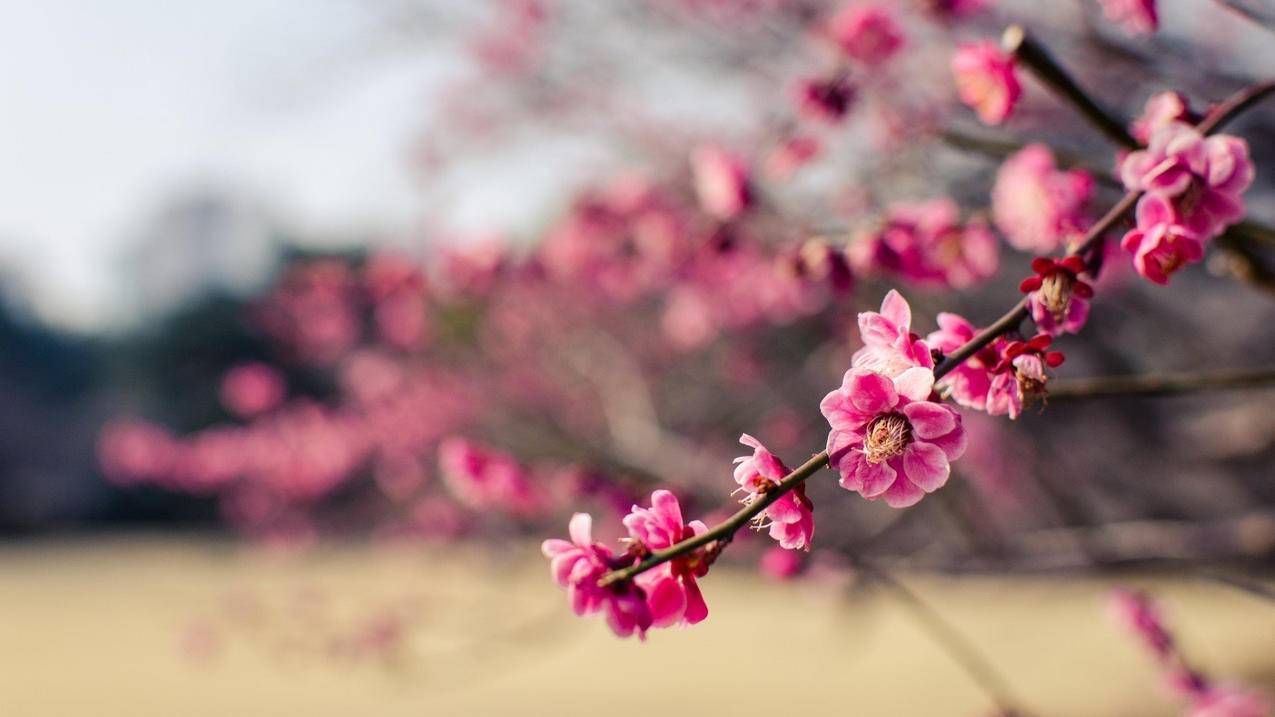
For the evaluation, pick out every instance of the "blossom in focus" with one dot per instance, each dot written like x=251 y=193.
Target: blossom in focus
x=1137 y=17
x=1058 y=298
x=1161 y=109
x=985 y=80
x=792 y=521
x=1019 y=377
x=1204 y=176
x=673 y=595
x=721 y=182
x=1160 y=243
x=1036 y=204
x=888 y=439
x=969 y=382
x=889 y=346
x=578 y=564
x=865 y=32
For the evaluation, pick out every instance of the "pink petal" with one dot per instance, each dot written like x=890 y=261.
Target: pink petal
x=581 y=529
x=696 y=608
x=895 y=308
x=928 y=419
x=915 y=383
x=665 y=503
x=667 y=601
x=874 y=478
x=873 y=393
x=926 y=466
x=903 y=494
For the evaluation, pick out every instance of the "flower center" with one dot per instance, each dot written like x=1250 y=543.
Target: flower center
x=1055 y=293
x=887 y=435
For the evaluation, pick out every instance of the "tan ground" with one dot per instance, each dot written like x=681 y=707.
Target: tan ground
x=151 y=627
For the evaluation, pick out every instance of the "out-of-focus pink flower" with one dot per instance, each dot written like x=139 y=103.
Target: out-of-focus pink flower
x=1230 y=701
x=970 y=381
x=780 y=564
x=485 y=479
x=1137 y=17
x=721 y=182
x=672 y=592
x=1058 y=298
x=825 y=100
x=251 y=389
x=1204 y=176
x=985 y=80
x=865 y=32
x=1036 y=204
x=791 y=517
x=132 y=451
x=889 y=346
x=1161 y=109
x=1160 y=243
x=792 y=154
x=577 y=565
x=1019 y=377
x=955 y=8
x=888 y=439
x=925 y=243
x=1135 y=612
x=469 y=268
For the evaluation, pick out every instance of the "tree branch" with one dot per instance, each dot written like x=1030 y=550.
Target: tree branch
x=1167 y=384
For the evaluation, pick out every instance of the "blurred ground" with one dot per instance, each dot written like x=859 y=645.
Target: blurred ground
x=191 y=627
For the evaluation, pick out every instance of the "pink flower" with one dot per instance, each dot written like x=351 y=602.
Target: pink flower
x=673 y=595
x=888 y=439
x=985 y=80
x=889 y=346
x=865 y=32
x=825 y=100
x=485 y=479
x=1059 y=300
x=1137 y=17
x=1161 y=109
x=251 y=389
x=1036 y=204
x=1230 y=701
x=1160 y=243
x=1019 y=377
x=577 y=565
x=926 y=243
x=1204 y=176
x=791 y=517
x=970 y=382
x=791 y=155
x=780 y=564
x=721 y=182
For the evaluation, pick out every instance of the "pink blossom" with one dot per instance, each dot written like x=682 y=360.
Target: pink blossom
x=251 y=389
x=1230 y=701
x=1019 y=377
x=926 y=243
x=1161 y=109
x=792 y=154
x=579 y=564
x=865 y=32
x=889 y=346
x=1160 y=243
x=1204 y=176
x=1058 y=298
x=673 y=595
x=825 y=100
x=1137 y=17
x=791 y=517
x=888 y=439
x=985 y=80
x=721 y=182
x=969 y=382
x=1036 y=204
x=780 y=564
x=484 y=479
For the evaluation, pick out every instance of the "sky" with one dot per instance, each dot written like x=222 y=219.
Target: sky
x=109 y=108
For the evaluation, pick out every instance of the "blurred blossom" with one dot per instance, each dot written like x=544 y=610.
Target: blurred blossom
x=721 y=182
x=866 y=32
x=986 y=80
x=1036 y=204
x=251 y=389
x=1136 y=17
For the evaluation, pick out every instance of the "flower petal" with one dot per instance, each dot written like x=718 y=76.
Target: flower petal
x=915 y=383
x=926 y=466
x=930 y=420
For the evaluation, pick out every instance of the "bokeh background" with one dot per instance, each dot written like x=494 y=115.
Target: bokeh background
x=260 y=262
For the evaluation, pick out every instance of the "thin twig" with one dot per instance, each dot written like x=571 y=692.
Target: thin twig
x=959 y=648
x=1042 y=64
x=1166 y=384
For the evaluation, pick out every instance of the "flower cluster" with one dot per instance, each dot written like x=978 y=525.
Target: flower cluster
x=1037 y=205
x=1193 y=186
x=1001 y=378
x=791 y=516
x=927 y=243
x=665 y=596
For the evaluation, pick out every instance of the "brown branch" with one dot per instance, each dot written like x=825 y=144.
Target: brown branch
x=1167 y=384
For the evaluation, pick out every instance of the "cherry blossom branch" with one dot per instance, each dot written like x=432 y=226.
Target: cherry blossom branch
x=1037 y=59
x=1160 y=385
x=725 y=531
